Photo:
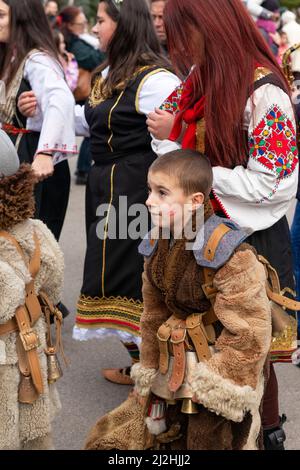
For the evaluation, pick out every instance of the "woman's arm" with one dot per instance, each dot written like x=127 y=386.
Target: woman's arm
x=27 y=106
x=54 y=118
x=153 y=93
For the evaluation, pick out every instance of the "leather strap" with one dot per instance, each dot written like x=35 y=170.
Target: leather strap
x=30 y=342
x=35 y=261
x=49 y=309
x=14 y=242
x=9 y=327
x=163 y=335
x=178 y=372
x=198 y=335
x=214 y=241
x=32 y=303
x=279 y=299
x=271 y=274
x=22 y=358
x=210 y=317
x=208 y=288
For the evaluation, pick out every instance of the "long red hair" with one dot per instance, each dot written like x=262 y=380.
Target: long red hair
x=223 y=43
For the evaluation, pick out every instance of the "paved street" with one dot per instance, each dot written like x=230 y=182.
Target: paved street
x=84 y=393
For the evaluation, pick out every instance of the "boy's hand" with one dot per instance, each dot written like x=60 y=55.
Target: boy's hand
x=27 y=104
x=160 y=123
x=43 y=166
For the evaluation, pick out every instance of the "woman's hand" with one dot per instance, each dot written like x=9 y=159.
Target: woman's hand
x=27 y=103
x=43 y=166
x=160 y=124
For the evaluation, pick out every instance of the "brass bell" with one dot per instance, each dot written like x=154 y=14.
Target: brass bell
x=27 y=391
x=54 y=369
x=189 y=407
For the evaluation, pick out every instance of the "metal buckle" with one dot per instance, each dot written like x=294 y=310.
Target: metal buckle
x=30 y=340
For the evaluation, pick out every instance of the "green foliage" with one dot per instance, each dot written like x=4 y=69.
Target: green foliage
x=291 y=4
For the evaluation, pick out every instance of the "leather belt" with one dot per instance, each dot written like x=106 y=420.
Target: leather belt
x=9 y=327
x=174 y=330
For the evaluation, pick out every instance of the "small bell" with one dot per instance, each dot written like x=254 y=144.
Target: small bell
x=54 y=369
x=27 y=391
x=189 y=407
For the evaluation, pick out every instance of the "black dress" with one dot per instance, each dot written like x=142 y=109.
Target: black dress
x=111 y=294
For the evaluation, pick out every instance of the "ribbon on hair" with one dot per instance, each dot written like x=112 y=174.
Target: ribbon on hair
x=117 y=3
x=59 y=20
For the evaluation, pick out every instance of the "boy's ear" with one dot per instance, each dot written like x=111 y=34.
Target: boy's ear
x=197 y=200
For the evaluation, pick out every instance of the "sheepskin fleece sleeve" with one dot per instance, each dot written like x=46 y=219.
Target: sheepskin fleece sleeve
x=12 y=292
x=231 y=383
x=51 y=276
x=154 y=315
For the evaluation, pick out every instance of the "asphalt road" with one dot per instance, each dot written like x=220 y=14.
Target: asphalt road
x=85 y=395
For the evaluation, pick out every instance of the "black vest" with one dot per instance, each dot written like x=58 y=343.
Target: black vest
x=117 y=126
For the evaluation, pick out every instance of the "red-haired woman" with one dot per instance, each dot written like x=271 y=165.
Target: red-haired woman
x=235 y=105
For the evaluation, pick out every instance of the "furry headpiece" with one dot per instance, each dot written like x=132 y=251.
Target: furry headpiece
x=17 y=197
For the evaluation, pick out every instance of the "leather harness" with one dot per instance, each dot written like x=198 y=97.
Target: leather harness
x=25 y=318
x=198 y=327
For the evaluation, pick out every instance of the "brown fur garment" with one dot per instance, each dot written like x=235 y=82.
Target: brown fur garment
x=123 y=428
x=16 y=197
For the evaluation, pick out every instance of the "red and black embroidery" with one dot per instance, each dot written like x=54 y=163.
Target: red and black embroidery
x=171 y=104
x=273 y=143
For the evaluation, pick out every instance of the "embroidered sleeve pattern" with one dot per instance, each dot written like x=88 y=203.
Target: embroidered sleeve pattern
x=273 y=143
x=171 y=104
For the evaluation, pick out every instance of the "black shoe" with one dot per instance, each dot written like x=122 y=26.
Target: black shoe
x=65 y=312
x=275 y=437
x=81 y=178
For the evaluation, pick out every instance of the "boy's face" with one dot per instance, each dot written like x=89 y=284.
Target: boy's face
x=168 y=205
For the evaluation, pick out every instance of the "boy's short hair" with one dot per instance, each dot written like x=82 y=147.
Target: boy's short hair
x=191 y=168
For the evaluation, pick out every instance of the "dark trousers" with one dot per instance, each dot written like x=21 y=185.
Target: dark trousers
x=52 y=197
x=295 y=234
x=84 y=161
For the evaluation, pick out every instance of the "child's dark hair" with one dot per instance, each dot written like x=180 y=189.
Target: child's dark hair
x=191 y=168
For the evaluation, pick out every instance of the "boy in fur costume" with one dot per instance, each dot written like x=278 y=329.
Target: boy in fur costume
x=227 y=383
x=200 y=374
x=23 y=425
